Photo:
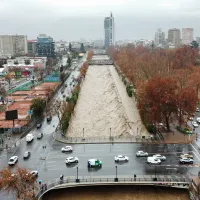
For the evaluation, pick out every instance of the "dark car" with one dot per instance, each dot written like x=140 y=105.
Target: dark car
x=49 y=118
x=40 y=135
x=27 y=154
x=39 y=126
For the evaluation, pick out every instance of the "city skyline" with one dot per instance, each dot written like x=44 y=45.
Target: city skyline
x=74 y=20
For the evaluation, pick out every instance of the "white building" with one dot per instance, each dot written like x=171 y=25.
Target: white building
x=99 y=43
x=109 y=28
x=187 y=35
x=13 y=44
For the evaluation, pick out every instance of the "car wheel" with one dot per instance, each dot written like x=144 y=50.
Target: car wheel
x=117 y=160
x=191 y=162
x=137 y=155
x=126 y=160
x=76 y=161
x=183 y=162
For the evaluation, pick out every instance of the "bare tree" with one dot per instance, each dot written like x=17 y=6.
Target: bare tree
x=57 y=108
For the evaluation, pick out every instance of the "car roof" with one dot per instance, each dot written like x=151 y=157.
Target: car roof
x=70 y=157
x=13 y=157
x=67 y=146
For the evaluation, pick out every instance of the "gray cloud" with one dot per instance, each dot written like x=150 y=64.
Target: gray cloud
x=72 y=20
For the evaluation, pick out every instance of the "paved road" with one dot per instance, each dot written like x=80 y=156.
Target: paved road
x=54 y=164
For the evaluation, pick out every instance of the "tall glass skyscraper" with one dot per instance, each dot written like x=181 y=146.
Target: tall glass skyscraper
x=109 y=31
x=45 y=46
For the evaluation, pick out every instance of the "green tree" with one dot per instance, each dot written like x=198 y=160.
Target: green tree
x=27 y=62
x=62 y=76
x=37 y=107
x=194 y=44
x=69 y=61
x=82 y=48
x=65 y=121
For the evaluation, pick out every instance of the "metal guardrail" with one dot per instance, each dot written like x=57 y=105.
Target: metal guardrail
x=112 y=139
x=82 y=181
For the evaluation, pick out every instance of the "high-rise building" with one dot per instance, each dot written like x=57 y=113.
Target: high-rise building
x=13 y=45
x=109 y=28
x=32 y=46
x=159 y=37
x=174 y=36
x=187 y=35
x=45 y=46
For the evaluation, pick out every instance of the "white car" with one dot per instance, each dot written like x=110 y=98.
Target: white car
x=195 y=124
x=197 y=110
x=186 y=155
x=70 y=160
x=153 y=160
x=67 y=149
x=141 y=153
x=13 y=160
x=33 y=173
x=198 y=119
x=121 y=158
x=159 y=157
x=186 y=161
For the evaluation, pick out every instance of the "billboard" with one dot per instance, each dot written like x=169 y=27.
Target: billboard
x=11 y=114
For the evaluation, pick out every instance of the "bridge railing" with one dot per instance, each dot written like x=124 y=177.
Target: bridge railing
x=174 y=182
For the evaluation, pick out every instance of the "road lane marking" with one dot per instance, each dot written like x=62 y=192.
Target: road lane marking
x=196 y=151
x=197 y=144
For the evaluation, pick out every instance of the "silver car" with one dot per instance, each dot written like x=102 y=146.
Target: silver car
x=70 y=160
x=141 y=154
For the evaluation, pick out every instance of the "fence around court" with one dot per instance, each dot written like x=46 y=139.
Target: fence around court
x=24 y=87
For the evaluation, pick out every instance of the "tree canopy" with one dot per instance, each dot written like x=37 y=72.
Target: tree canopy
x=20 y=182
x=37 y=107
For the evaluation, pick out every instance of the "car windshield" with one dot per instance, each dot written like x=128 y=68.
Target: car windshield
x=11 y=159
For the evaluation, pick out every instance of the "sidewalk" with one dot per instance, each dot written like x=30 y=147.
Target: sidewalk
x=169 y=138
x=176 y=137
x=104 y=140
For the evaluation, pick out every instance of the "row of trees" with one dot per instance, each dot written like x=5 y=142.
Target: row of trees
x=166 y=81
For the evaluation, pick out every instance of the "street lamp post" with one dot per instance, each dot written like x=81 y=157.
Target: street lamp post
x=110 y=133
x=77 y=179
x=116 y=179
x=155 y=179
x=83 y=132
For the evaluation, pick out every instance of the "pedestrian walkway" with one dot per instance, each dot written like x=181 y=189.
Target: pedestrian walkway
x=92 y=140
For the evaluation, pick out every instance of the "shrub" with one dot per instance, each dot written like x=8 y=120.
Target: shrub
x=129 y=90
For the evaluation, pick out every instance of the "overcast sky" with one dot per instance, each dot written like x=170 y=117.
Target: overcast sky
x=75 y=19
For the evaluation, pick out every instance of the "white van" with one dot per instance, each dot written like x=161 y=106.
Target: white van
x=153 y=160
x=29 y=137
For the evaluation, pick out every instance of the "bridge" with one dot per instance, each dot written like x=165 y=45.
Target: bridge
x=101 y=62
x=99 y=52
x=166 y=181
